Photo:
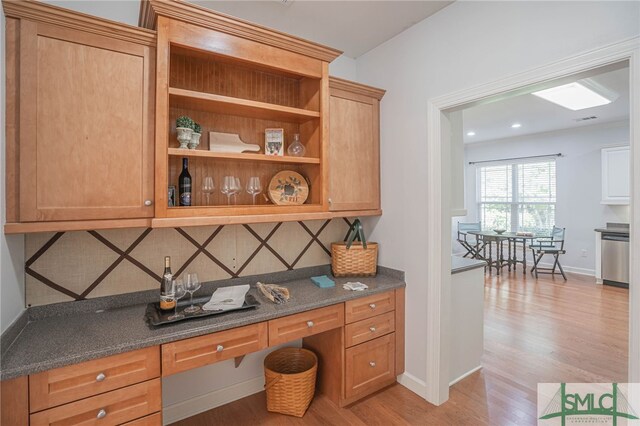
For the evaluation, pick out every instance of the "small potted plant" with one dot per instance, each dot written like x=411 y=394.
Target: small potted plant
x=195 y=136
x=184 y=127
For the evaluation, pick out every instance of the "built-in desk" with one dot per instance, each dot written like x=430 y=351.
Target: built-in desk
x=82 y=363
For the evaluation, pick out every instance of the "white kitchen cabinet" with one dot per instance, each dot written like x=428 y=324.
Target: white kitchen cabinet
x=615 y=175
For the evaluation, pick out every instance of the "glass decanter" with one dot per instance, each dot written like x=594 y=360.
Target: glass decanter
x=296 y=149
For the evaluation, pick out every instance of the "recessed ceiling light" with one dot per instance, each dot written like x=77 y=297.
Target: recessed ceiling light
x=574 y=96
x=516 y=125
x=472 y=133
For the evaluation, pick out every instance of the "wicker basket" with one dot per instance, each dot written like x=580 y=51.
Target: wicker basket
x=355 y=261
x=290 y=380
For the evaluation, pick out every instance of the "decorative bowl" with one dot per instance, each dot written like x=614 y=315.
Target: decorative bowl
x=499 y=231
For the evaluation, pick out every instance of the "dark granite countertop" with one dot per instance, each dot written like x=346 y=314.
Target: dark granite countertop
x=462 y=264
x=615 y=228
x=66 y=334
x=622 y=231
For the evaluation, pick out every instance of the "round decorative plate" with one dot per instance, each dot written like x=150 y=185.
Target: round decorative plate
x=288 y=188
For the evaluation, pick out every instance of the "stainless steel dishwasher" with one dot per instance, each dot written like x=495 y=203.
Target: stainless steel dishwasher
x=615 y=259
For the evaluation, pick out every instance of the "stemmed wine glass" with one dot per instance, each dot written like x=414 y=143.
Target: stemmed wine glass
x=254 y=187
x=179 y=292
x=191 y=284
x=227 y=189
x=237 y=187
x=208 y=187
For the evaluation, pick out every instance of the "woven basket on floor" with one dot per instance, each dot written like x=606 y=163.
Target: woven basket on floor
x=355 y=261
x=290 y=380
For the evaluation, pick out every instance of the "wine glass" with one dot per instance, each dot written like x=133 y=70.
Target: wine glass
x=254 y=187
x=177 y=287
x=228 y=184
x=208 y=187
x=191 y=284
x=237 y=187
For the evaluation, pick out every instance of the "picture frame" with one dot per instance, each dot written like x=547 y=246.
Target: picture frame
x=274 y=142
x=171 y=196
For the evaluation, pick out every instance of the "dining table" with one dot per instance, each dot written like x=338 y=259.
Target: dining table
x=486 y=240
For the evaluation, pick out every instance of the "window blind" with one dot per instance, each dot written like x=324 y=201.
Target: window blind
x=517 y=196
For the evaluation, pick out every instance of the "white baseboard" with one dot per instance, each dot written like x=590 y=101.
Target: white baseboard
x=572 y=269
x=415 y=385
x=208 y=401
x=468 y=373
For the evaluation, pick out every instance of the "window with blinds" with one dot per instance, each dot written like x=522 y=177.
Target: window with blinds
x=517 y=196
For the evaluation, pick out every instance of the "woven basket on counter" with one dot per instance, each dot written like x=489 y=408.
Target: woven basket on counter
x=354 y=259
x=290 y=380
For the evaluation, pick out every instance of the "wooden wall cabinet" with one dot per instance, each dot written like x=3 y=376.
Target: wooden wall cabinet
x=92 y=106
x=354 y=146
x=80 y=118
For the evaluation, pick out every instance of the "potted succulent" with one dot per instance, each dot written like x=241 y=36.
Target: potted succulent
x=184 y=127
x=195 y=136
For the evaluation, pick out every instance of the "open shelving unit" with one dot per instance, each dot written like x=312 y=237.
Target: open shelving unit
x=227 y=94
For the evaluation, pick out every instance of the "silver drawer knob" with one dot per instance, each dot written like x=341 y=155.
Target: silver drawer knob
x=330 y=201
x=220 y=348
x=372 y=329
x=309 y=324
x=148 y=202
x=372 y=363
x=372 y=305
x=100 y=377
x=101 y=414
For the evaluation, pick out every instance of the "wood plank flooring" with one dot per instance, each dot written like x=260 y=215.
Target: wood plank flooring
x=541 y=330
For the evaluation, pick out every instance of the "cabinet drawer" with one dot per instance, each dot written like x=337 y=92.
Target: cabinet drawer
x=152 y=420
x=199 y=351
x=111 y=408
x=61 y=385
x=369 y=329
x=305 y=324
x=366 y=307
x=370 y=366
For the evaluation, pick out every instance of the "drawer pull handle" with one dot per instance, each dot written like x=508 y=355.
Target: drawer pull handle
x=372 y=329
x=372 y=363
x=101 y=414
x=310 y=324
x=220 y=348
x=372 y=305
x=100 y=377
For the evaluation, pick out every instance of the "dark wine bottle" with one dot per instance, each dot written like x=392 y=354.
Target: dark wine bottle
x=184 y=184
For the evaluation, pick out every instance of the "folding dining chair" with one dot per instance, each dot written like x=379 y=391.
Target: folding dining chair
x=469 y=241
x=553 y=245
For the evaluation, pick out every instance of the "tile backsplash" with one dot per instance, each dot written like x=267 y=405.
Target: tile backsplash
x=68 y=266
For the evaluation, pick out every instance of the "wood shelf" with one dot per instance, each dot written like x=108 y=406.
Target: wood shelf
x=179 y=152
x=173 y=222
x=189 y=99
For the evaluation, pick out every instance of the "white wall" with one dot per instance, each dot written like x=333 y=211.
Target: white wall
x=464 y=45
x=11 y=246
x=343 y=67
x=578 y=182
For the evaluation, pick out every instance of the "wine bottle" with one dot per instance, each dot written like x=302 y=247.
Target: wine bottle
x=167 y=296
x=184 y=184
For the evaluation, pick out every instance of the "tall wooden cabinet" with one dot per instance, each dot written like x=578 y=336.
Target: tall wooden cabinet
x=81 y=113
x=354 y=146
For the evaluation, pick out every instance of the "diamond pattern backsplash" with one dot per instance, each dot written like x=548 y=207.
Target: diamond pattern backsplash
x=67 y=266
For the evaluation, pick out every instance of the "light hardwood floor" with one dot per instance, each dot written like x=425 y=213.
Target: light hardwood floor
x=541 y=330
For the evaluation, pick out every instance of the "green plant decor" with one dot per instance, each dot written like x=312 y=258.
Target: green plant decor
x=196 y=128
x=184 y=121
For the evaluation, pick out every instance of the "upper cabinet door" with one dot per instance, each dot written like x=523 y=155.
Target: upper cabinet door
x=616 y=175
x=354 y=146
x=86 y=126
